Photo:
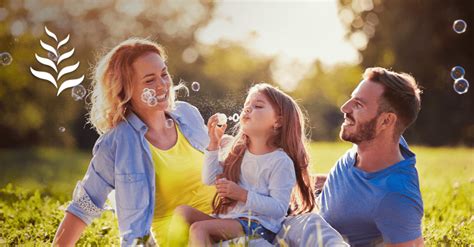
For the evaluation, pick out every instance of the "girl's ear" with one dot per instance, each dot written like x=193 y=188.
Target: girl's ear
x=278 y=122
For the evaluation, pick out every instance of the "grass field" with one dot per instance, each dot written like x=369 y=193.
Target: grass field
x=36 y=185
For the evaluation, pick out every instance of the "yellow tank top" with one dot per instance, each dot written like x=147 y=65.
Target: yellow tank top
x=178 y=182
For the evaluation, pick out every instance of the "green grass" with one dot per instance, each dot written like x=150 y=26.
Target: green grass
x=42 y=180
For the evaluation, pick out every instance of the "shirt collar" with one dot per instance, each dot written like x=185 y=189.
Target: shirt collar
x=139 y=125
x=410 y=159
x=404 y=149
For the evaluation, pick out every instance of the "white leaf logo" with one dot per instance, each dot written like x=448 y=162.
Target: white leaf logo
x=63 y=42
x=46 y=61
x=70 y=83
x=50 y=34
x=44 y=75
x=66 y=55
x=54 y=64
x=68 y=69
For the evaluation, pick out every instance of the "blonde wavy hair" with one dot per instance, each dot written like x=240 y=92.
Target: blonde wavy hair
x=112 y=83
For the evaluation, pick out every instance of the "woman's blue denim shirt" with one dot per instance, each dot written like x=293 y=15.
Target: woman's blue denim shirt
x=122 y=162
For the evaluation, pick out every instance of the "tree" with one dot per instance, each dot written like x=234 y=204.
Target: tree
x=417 y=37
x=31 y=113
x=322 y=92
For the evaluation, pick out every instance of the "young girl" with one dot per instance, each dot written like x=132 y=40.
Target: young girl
x=256 y=182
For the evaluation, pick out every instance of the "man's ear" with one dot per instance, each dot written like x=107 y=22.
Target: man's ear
x=388 y=119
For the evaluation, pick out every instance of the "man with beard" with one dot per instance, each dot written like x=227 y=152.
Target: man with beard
x=372 y=194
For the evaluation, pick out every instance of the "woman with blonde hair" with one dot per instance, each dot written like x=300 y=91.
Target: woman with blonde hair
x=150 y=149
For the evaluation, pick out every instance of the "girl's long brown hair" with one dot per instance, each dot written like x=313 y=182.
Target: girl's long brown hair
x=291 y=137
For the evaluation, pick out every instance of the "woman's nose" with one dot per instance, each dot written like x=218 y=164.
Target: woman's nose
x=162 y=83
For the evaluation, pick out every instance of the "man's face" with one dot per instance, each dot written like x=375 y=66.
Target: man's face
x=361 y=113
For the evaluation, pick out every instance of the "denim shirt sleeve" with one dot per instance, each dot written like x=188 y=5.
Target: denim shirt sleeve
x=211 y=167
x=281 y=183
x=91 y=192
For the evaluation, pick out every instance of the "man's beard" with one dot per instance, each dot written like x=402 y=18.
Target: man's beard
x=364 y=132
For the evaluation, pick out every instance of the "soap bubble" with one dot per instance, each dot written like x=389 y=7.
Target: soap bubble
x=461 y=86
x=62 y=129
x=78 y=92
x=148 y=95
x=169 y=123
x=221 y=119
x=145 y=97
x=457 y=72
x=152 y=101
x=53 y=57
x=225 y=146
x=195 y=86
x=152 y=92
x=181 y=90
x=235 y=117
x=459 y=26
x=5 y=58
x=149 y=90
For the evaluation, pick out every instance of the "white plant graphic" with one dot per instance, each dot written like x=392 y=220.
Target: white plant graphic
x=54 y=64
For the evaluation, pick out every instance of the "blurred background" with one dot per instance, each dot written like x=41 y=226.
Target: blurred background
x=314 y=50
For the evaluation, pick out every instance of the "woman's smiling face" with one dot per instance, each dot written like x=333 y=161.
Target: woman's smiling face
x=151 y=72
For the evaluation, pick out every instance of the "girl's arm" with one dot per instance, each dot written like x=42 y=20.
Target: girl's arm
x=212 y=166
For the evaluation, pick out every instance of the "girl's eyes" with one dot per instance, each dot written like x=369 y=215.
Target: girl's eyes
x=252 y=106
x=150 y=81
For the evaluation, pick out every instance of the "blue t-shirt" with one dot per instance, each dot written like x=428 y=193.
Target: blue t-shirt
x=370 y=207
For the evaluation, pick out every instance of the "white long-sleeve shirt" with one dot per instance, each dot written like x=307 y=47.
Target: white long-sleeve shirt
x=268 y=178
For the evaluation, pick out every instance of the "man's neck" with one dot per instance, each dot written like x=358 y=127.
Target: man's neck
x=378 y=154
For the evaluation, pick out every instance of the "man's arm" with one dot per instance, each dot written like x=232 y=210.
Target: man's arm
x=398 y=218
x=318 y=180
x=413 y=243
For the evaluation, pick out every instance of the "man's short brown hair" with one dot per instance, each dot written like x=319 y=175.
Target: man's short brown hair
x=401 y=95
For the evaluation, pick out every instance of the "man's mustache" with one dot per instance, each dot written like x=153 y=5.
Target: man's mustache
x=349 y=117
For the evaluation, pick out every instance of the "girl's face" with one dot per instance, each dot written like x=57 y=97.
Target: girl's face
x=151 y=72
x=258 y=116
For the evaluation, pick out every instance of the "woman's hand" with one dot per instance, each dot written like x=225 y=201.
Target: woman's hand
x=215 y=132
x=229 y=189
